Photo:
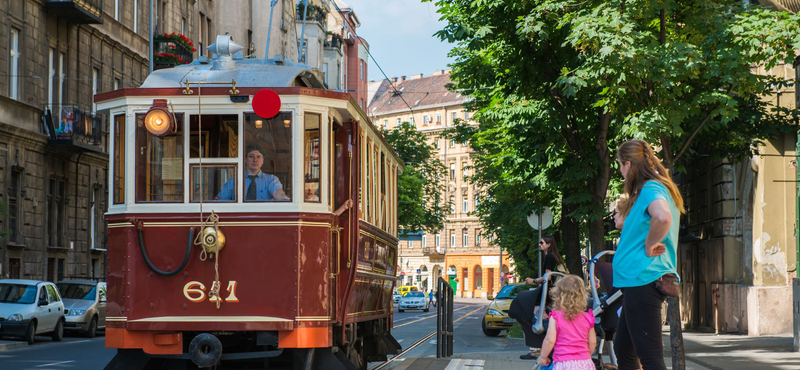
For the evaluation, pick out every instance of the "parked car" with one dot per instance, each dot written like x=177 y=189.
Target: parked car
x=30 y=307
x=414 y=301
x=85 y=305
x=496 y=317
x=396 y=296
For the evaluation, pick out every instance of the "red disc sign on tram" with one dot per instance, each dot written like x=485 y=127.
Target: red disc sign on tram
x=266 y=103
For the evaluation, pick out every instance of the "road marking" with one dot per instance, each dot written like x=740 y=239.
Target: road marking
x=81 y=341
x=465 y=364
x=400 y=340
x=55 y=363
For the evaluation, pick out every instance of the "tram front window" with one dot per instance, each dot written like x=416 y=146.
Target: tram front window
x=213 y=152
x=159 y=163
x=267 y=160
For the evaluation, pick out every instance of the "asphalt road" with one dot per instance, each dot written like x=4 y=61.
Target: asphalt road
x=411 y=326
x=73 y=352
x=76 y=352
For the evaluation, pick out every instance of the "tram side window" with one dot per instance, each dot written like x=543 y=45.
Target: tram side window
x=311 y=162
x=159 y=163
x=119 y=159
x=267 y=158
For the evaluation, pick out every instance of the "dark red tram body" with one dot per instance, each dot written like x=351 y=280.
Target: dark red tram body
x=299 y=283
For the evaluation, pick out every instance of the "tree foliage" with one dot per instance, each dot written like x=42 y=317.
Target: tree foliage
x=557 y=85
x=421 y=184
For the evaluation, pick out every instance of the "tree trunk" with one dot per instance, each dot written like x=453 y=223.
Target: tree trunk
x=570 y=238
x=674 y=304
x=676 y=333
x=599 y=186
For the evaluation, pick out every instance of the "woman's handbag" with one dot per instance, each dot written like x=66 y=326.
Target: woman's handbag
x=668 y=285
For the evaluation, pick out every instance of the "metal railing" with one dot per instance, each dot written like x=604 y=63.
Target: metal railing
x=72 y=122
x=167 y=53
x=433 y=251
x=444 y=319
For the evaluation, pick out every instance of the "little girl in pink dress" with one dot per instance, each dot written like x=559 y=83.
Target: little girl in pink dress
x=570 y=334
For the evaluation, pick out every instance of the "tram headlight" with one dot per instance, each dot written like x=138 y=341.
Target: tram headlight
x=158 y=121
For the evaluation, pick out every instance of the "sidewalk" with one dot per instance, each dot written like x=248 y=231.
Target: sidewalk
x=703 y=352
x=7 y=345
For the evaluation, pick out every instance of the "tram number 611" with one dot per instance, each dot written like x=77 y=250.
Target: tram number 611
x=195 y=292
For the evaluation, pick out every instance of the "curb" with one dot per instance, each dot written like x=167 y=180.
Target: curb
x=8 y=346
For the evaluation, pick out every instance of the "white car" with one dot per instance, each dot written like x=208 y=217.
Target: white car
x=30 y=307
x=414 y=301
x=396 y=297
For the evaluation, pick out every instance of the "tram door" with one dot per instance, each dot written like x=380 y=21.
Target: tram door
x=343 y=179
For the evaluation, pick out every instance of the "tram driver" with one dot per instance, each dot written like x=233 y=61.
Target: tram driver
x=258 y=185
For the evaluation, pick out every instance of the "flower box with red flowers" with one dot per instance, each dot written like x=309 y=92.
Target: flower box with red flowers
x=171 y=49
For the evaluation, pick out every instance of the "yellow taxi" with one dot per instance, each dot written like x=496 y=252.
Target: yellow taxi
x=496 y=317
x=403 y=290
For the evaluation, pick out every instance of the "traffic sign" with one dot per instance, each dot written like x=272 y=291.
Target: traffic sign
x=546 y=217
x=510 y=275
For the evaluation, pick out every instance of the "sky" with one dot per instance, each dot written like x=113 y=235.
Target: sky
x=400 y=37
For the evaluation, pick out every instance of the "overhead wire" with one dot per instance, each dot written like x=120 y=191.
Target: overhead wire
x=353 y=31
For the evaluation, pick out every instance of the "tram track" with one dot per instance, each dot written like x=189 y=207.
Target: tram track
x=424 y=318
x=386 y=363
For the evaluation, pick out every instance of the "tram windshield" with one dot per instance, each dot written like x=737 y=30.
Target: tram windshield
x=218 y=169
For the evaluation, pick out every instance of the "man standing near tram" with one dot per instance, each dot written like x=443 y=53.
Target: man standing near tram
x=259 y=185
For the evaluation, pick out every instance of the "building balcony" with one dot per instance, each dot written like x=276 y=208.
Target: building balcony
x=75 y=129
x=432 y=251
x=79 y=11
x=333 y=41
x=170 y=50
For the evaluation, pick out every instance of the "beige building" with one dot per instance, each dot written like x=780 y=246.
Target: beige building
x=461 y=252
x=738 y=253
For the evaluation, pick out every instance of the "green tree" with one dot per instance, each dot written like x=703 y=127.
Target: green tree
x=421 y=184
x=558 y=84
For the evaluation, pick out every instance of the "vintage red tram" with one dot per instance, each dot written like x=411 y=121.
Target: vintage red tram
x=296 y=214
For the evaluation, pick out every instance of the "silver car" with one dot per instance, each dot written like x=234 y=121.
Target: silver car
x=85 y=305
x=413 y=301
x=30 y=307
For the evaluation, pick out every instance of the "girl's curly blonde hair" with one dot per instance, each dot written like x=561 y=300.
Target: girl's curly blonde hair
x=569 y=296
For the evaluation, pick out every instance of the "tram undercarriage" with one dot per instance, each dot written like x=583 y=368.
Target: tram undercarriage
x=363 y=343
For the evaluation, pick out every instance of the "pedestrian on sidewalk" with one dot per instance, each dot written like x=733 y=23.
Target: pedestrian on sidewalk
x=570 y=334
x=552 y=261
x=647 y=250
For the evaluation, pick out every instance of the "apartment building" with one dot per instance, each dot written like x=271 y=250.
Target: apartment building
x=54 y=56
x=461 y=252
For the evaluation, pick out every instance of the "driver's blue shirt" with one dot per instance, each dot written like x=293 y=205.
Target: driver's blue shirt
x=266 y=184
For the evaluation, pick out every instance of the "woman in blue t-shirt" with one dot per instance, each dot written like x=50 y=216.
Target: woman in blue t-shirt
x=647 y=250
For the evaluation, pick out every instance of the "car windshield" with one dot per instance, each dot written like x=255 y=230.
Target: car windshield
x=511 y=291
x=77 y=291
x=17 y=293
x=415 y=294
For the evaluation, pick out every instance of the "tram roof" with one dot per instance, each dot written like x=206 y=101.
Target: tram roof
x=246 y=73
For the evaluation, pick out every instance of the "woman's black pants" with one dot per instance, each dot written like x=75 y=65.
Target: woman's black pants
x=638 y=336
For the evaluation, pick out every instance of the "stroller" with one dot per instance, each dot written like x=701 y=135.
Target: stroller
x=605 y=304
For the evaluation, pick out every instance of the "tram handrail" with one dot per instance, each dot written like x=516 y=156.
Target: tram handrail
x=140 y=235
